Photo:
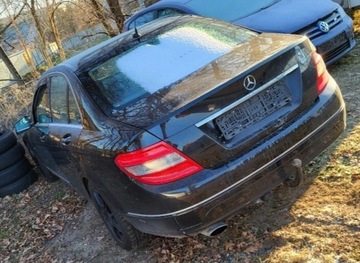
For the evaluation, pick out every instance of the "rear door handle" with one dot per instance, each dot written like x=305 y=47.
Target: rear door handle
x=66 y=139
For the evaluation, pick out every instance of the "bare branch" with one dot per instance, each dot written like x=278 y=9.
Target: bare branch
x=98 y=33
x=16 y=16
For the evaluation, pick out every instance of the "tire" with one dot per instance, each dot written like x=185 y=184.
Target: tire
x=19 y=185
x=14 y=172
x=7 y=140
x=12 y=156
x=125 y=235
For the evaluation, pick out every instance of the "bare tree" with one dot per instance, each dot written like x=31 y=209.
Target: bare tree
x=40 y=29
x=50 y=10
x=117 y=13
x=3 y=56
x=20 y=35
x=102 y=13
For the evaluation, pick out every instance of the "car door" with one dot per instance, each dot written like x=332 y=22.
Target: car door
x=57 y=125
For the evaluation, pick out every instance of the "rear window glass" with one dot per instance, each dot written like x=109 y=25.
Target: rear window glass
x=161 y=61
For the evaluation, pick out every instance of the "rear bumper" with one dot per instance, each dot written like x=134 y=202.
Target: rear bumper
x=304 y=140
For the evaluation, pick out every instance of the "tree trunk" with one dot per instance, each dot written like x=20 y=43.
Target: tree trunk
x=117 y=13
x=51 y=8
x=29 y=59
x=44 y=49
x=55 y=31
x=99 y=13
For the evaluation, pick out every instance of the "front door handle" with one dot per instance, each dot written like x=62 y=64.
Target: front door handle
x=66 y=139
x=42 y=137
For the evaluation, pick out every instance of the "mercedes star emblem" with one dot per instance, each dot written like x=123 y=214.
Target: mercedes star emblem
x=249 y=82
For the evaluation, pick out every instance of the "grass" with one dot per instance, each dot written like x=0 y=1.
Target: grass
x=356 y=17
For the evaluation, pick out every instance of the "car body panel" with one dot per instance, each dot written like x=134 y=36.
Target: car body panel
x=217 y=74
x=236 y=169
x=276 y=18
x=232 y=190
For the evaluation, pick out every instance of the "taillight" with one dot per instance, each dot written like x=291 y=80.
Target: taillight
x=157 y=164
x=322 y=73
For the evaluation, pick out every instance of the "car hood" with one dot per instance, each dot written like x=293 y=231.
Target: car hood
x=288 y=16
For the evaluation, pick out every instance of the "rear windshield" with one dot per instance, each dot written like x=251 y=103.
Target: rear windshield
x=163 y=60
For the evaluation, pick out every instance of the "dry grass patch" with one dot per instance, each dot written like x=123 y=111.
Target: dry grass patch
x=356 y=17
x=15 y=101
x=326 y=219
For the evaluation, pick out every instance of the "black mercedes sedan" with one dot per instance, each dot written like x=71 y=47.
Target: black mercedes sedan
x=171 y=128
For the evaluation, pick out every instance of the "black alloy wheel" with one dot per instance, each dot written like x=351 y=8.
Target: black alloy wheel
x=122 y=231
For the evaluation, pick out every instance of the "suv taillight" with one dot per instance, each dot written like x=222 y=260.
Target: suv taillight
x=157 y=164
x=322 y=73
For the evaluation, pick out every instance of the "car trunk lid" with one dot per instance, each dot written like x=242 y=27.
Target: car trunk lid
x=205 y=96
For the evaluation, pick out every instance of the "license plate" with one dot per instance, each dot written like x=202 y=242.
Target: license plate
x=332 y=43
x=253 y=110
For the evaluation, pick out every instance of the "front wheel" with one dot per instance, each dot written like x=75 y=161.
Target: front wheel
x=121 y=230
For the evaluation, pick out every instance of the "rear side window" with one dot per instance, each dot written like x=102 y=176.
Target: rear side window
x=163 y=60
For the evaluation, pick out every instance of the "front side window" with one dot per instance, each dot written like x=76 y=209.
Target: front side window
x=43 y=112
x=56 y=103
x=59 y=99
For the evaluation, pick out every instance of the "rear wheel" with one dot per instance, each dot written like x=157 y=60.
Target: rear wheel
x=122 y=231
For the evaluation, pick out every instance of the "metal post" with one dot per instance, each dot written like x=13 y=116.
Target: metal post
x=11 y=67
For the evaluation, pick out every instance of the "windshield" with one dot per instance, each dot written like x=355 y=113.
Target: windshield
x=163 y=60
x=228 y=10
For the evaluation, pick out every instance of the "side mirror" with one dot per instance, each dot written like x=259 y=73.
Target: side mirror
x=22 y=125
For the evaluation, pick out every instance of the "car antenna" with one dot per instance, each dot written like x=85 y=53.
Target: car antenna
x=136 y=34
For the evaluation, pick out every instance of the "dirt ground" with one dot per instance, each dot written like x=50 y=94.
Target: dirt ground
x=316 y=222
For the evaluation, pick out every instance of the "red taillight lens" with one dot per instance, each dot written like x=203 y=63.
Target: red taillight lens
x=322 y=73
x=157 y=164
